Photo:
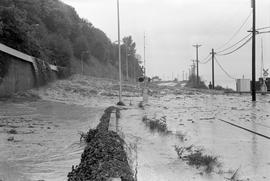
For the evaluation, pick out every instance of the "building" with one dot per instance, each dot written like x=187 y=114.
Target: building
x=243 y=85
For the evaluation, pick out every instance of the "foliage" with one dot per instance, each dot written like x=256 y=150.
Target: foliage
x=4 y=65
x=154 y=124
x=192 y=82
x=52 y=31
x=129 y=57
x=44 y=72
x=195 y=157
x=104 y=156
x=218 y=87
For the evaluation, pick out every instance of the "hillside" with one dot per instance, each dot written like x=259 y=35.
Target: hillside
x=53 y=31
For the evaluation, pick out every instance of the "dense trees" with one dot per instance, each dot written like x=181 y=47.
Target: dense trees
x=53 y=31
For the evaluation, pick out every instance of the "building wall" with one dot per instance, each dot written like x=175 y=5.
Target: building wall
x=243 y=85
x=19 y=77
x=18 y=71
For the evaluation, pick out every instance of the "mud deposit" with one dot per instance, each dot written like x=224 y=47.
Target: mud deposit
x=104 y=156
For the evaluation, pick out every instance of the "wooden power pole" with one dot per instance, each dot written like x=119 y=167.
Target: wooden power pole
x=197 y=60
x=253 y=84
x=213 y=68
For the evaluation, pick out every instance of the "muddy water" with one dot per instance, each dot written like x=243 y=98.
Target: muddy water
x=195 y=120
x=46 y=143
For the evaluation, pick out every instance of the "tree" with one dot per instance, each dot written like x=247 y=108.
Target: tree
x=59 y=49
x=52 y=31
x=80 y=45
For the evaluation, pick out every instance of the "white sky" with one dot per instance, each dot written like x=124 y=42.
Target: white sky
x=173 y=26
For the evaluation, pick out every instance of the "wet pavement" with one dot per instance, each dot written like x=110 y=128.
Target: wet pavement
x=196 y=119
x=40 y=139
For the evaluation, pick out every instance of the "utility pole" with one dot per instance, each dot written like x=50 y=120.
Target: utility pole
x=183 y=75
x=119 y=58
x=144 y=60
x=213 y=68
x=262 y=66
x=127 y=62
x=197 y=59
x=253 y=84
x=84 y=52
x=134 y=76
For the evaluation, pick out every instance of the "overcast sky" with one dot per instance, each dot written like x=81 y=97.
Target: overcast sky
x=173 y=26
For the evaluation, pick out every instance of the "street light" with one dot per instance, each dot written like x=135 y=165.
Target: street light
x=120 y=103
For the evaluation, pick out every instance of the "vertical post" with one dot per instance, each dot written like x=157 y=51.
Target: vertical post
x=144 y=60
x=183 y=75
x=262 y=66
x=82 y=62
x=213 y=69
x=134 y=76
x=119 y=55
x=197 y=60
x=253 y=84
x=126 y=63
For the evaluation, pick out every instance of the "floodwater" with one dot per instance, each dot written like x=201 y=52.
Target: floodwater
x=46 y=143
x=196 y=118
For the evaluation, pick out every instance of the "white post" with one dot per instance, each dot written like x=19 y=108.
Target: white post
x=119 y=55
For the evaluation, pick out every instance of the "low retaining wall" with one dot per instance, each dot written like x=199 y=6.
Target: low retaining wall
x=20 y=72
x=104 y=157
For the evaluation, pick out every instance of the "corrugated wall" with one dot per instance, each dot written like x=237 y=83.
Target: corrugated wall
x=18 y=71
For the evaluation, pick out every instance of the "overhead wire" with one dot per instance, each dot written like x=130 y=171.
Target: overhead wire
x=235 y=43
x=238 y=30
x=263 y=28
x=205 y=59
x=264 y=32
x=205 y=62
x=236 y=48
x=224 y=69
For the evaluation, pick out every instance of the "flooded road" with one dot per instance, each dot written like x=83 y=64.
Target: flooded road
x=40 y=139
x=195 y=120
x=46 y=142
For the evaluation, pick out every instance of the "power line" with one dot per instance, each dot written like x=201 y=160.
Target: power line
x=224 y=69
x=205 y=62
x=238 y=30
x=267 y=27
x=236 y=48
x=235 y=44
x=264 y=32
x=206 y=58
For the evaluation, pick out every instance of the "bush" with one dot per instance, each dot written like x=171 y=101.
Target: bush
x=44 y=72
x=195 y=157
x=4 y=65
x=192 y=82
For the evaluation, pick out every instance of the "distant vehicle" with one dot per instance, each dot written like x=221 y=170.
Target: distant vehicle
x=156 y=79
x=141 y=79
